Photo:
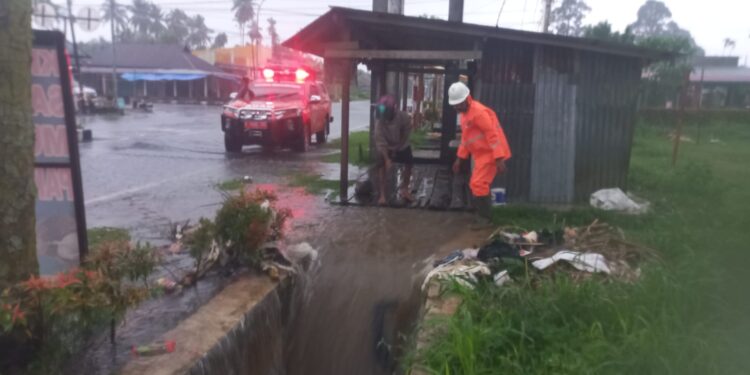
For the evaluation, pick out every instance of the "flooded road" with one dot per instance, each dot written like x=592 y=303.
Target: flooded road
x=349 y=312
x=144 y=171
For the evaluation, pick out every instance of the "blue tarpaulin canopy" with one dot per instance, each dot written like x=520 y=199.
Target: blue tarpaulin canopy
x=161 y=76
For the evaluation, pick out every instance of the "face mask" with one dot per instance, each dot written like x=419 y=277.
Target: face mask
x=383 y=112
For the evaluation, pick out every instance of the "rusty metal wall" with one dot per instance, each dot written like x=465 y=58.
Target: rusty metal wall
x=606 y=109
x=554 y=136
x=569 y=117
x=506 y=85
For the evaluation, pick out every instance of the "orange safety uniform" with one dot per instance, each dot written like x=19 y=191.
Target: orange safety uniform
x=484 y=139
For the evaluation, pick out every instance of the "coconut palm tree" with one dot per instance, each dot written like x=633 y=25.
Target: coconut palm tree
x=220 y=41
x=119 y=16
x=156 y=27
x=140 y=18
x=729 y=44
x=244 y=11
x=178 y=28
x=200 y=34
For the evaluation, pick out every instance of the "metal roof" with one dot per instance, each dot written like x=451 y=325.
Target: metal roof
x=147 y=57
x=721 y=75
x=395 y=31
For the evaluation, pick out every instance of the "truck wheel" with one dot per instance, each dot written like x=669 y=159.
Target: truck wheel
x=320 y=137
x=303 y=143
x=231 y=144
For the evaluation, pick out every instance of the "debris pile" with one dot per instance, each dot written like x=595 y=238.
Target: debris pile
x=510 y=253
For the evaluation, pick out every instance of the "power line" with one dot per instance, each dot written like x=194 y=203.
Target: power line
x=497 y=23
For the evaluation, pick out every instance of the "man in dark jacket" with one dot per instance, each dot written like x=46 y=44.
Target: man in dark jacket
x=392 y=132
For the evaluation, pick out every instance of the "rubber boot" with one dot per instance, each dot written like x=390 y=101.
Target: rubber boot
x=483 y=210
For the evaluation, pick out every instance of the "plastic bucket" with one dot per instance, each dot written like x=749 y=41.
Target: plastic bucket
x=498 y=196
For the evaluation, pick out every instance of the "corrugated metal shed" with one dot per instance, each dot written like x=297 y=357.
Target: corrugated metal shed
x=606 y=107
x=554 y=138
x=507 y=86
x=567 y=105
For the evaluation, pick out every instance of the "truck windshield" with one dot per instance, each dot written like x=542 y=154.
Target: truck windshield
x=275 y=92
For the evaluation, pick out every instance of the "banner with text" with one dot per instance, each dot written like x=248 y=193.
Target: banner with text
x=60 y=220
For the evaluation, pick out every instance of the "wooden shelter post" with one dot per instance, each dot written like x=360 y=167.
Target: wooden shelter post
x=345 y=96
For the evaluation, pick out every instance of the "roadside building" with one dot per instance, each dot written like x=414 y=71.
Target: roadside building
x=721 y=82
x=164 y=72
x=239 y=60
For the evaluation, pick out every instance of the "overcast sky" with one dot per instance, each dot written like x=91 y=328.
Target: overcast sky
x=710 y=22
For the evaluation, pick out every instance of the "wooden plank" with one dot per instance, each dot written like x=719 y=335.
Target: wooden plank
x=402 y=54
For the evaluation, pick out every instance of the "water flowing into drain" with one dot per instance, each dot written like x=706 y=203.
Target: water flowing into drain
x=350 y=312
x=362 y=300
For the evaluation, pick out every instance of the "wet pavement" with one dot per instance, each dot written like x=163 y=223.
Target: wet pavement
x=145 y=171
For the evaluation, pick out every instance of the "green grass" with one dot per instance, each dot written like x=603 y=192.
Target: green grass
x=99 y=235
x=357 y=140
x=418 y=138
x=686 y=315
x=230 y=185
x=313 y=183
x=361 y=140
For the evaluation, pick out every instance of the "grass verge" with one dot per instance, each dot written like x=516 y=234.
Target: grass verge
x=99 y=235
x=359 y=149
x=686 y=315
x=230 y=185
x=313 y=183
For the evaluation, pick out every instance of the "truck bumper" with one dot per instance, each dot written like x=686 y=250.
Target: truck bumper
x=251 y=133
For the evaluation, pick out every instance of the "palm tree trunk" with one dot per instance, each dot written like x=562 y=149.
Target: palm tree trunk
x=17 y=191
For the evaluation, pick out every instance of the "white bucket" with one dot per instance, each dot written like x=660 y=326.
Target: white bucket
x=498 y=196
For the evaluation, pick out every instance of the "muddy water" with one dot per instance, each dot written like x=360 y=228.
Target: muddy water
x=350 y=310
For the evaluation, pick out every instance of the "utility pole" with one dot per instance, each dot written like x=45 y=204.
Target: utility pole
x=75 y=46
x=256 y=53
x=547 y=15
x=112 y=8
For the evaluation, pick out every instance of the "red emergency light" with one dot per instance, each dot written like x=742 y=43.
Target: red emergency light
x=268 y=74
x=286 y=74
x=301 y=74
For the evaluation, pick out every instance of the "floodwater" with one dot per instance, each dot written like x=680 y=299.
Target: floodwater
x=145 y=171
x=353 y=310
x=349 y=312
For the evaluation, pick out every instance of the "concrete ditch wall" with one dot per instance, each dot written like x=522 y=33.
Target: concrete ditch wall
x=239 y=331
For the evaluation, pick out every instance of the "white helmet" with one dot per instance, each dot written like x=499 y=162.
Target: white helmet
x=457 y=93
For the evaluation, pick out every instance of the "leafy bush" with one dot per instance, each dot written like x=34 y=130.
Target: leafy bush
x=53 y=315
x=242 y=225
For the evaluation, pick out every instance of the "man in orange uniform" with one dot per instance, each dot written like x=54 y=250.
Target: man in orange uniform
x=484 y=140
